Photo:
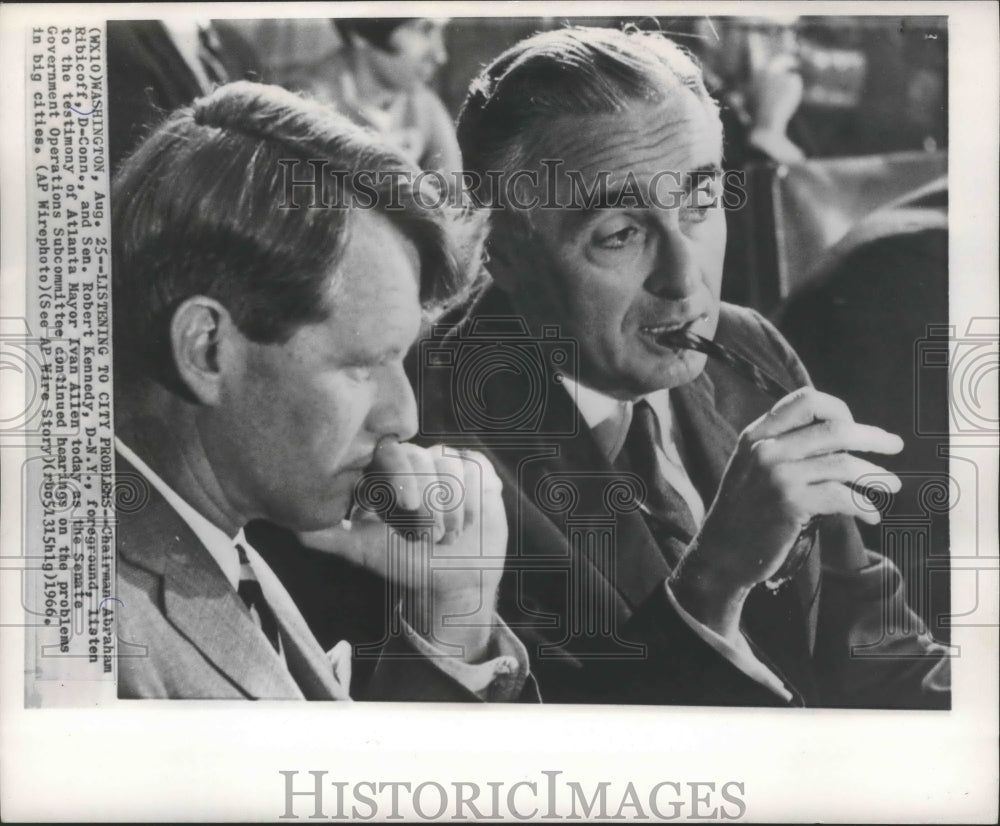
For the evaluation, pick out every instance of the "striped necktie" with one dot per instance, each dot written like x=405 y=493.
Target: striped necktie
x=665 y=506
x=250 y=592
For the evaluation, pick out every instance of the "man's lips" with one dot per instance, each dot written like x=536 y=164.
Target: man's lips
x=654 y=331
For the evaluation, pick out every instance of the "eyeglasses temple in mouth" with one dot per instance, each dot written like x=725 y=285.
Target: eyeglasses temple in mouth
x=684 y=339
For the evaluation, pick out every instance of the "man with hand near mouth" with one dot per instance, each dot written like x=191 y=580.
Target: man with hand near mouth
x=655 y=494
x=258 y=376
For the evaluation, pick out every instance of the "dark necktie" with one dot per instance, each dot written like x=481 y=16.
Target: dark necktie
x=209 y=55
x=250 y=592
x=666 y=513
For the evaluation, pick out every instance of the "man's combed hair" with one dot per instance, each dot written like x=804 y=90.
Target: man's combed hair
x=197 y=210
x=572 y=71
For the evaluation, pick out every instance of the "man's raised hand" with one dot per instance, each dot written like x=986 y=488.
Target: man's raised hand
x=432 y=520
x=791 y=464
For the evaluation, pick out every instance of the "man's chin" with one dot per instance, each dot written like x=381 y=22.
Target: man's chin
x=675 y=370
x=320 y=517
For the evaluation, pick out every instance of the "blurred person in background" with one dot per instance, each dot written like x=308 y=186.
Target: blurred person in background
x=751 y=65
x=380 y=79
x=833 y=87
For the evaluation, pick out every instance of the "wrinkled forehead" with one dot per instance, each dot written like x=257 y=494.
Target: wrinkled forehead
x=678 y=133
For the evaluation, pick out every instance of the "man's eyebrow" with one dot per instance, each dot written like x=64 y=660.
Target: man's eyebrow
x=370 y=351
x=691 y=178
x=699 y=174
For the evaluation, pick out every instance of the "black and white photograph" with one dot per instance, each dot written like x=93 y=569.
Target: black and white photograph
x=621 y=386
x=652 y=499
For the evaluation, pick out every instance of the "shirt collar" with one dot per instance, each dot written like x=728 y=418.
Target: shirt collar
x=609 y=418
x=594 y=406
x=221 y=547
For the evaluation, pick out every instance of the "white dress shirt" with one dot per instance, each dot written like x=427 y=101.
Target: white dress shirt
x=497 y=679
x=609 y=420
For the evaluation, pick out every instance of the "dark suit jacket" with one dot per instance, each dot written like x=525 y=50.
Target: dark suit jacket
x=584 y=586
x=184 y=633
x=148 y=78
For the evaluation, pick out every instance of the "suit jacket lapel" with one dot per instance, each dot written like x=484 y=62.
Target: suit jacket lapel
x=636 y=566
x=709 y=439
x=203 y=606
x=198 y=600
x=306 y=660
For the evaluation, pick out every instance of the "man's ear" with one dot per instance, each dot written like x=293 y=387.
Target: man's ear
x=197 y=330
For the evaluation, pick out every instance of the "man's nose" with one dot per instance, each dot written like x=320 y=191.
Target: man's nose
x=395 y=409
x=675 y=272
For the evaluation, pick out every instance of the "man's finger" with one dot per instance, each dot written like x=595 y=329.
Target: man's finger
x=491 y=480
x=490 y=512
x=453 y=494
x=848 y=469
x=830 y=436
x=828 y=498
x=798 y=409
x=425 y=479
x=393 y=461
x=362 y=542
